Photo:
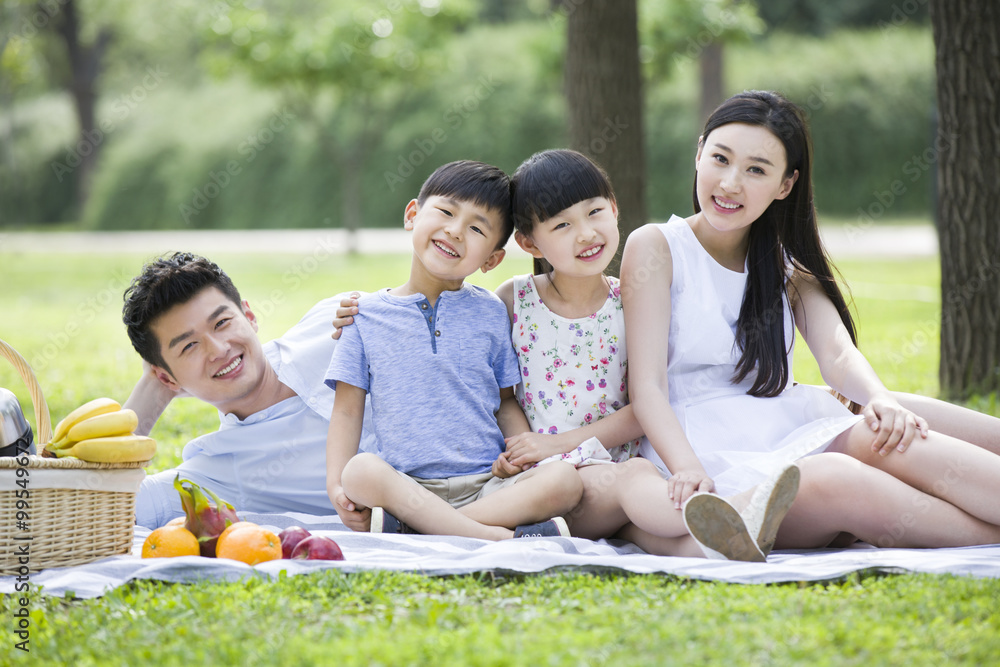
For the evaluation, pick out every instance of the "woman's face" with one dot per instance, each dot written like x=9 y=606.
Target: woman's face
x=741 y=170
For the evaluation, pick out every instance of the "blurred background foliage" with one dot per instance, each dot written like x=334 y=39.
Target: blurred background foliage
x=329 y=113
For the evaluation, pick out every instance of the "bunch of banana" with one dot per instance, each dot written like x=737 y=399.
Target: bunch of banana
x=101 y=431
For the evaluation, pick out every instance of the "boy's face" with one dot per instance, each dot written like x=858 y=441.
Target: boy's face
x=211 y=347
x=452 y=238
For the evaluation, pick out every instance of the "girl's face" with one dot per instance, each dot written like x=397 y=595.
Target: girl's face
x=580 y=240
x=741 y=170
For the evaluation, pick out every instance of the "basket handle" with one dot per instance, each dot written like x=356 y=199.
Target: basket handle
x=43 y=432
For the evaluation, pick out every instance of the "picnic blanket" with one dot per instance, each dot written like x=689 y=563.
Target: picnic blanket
x=438 y=555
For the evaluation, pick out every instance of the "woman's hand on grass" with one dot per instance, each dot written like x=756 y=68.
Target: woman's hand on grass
x=893 y=425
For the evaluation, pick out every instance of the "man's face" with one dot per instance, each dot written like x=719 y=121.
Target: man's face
x=211 y=347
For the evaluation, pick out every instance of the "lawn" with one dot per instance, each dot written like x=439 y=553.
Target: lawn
x=62 y=313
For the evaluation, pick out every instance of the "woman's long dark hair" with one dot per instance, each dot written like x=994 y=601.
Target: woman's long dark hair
x=786 y=231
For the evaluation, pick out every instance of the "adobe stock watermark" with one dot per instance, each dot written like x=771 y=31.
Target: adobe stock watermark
x=39 y=19
x=911 y=171
x=454 y=117
x=121 y=108
x=249 y=148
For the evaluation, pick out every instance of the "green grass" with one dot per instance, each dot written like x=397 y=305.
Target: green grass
x=62 y=313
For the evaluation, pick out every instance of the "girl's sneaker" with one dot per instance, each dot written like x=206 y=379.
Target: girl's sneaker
x=769 y=504
x=383 y=522
x=555 y=527
x=719 y=529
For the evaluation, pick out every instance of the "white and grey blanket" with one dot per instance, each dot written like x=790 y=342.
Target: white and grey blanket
x=436 y=555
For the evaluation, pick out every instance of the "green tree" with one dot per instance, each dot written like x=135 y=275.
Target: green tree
x=347 y=67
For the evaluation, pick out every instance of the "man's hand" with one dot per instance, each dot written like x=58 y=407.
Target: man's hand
x=345 y=314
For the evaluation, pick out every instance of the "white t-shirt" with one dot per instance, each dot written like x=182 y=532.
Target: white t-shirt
x=275 y=459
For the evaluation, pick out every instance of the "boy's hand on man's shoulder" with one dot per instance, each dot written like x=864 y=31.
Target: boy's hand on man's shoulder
x=345 y=314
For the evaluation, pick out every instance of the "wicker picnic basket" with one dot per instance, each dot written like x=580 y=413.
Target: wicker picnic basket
x=74 y=512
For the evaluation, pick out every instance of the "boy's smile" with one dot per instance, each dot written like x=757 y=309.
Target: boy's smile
x=452 y=239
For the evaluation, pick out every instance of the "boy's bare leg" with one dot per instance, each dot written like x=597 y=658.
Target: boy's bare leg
x=371 y=482
x=539 y=494
x=973 y=427
x=839 y=494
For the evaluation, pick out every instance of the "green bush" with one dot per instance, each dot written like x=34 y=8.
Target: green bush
x=203 y=156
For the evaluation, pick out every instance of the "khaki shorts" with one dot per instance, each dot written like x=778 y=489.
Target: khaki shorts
x=464 y=489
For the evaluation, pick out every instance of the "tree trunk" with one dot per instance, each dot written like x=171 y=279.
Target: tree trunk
x=85 y=62
x=711 y=66
x=604 y=95
x=967 y=63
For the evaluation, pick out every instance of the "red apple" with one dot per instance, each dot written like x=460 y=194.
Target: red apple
x=317 y=547
x=290 y=538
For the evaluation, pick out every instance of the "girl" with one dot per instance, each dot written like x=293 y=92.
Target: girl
x=568 y=332
x=709 y=304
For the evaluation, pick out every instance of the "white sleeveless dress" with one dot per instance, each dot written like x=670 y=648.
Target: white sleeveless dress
x=738 y=438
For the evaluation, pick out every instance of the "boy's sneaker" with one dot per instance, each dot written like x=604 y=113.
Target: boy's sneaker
x=383 y=522
x=555 y=527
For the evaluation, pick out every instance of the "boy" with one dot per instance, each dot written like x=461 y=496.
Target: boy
x=436 y=357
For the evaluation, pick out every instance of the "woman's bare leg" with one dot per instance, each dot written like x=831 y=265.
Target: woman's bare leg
x=839 y=494
x=962 y=474
x=973 y=427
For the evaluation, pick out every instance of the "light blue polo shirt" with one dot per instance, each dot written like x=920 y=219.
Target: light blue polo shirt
x=434 y=375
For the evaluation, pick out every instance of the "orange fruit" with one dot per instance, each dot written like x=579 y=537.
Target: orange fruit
x=248 y=543
x=179 y=521
x=229 y=529
x=170 y=541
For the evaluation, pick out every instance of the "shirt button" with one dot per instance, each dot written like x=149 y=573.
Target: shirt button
x=437 y=333
x=424 y=305
x=430 y=318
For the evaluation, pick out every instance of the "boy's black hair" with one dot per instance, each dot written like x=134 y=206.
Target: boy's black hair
x=552 y=181
x=476 y=182
x=164 y=283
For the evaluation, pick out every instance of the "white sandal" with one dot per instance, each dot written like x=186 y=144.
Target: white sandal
x=719 y=529
x=769 y=504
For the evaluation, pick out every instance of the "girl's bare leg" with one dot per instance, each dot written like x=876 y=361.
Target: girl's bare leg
x=953 y=470
x=839 y=494
x=614 y=495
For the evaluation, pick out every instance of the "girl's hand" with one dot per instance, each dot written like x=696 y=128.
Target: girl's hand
x=354 y=517
x=348 y=308
x=683 y=485
x=503 y=468
x=526 y=449
x=894 y=426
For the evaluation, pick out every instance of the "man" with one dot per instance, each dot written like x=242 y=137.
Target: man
x=197 y=338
